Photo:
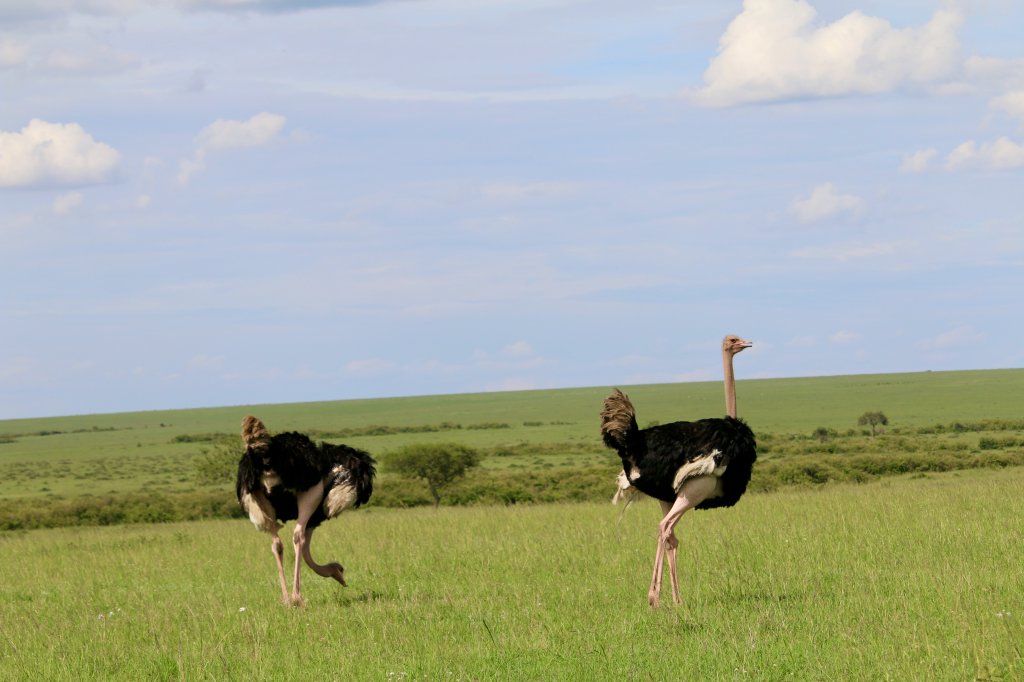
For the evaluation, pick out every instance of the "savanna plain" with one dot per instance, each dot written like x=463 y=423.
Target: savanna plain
x=853 y=556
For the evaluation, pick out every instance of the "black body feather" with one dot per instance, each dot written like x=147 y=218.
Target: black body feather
x=659 y=451
x=300 y=463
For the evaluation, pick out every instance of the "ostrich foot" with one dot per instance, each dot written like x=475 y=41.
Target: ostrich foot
x=297 y=600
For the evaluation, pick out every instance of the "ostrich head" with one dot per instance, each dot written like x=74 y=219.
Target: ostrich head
x=336 y=571
x=733 y=344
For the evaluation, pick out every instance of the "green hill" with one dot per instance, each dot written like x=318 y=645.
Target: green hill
x=541 y=445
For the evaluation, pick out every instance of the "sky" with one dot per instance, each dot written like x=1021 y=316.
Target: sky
x=229 y=202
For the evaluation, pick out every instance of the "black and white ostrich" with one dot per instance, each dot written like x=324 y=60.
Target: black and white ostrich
x=685 y=465
x=288 y=476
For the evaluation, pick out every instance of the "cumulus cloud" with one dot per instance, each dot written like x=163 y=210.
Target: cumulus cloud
x=778 y=49
x=46 y=154
x=1003 y=154
x=824 y=202
x=226 y=134
x=1012 y=103
x=919 y=161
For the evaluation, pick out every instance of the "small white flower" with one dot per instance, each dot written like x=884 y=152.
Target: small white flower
x=241 y=610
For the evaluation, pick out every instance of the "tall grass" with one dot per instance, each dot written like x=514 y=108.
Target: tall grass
x=902 y=579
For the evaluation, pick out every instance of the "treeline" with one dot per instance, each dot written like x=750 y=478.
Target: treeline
x=486 y=487
x=13 y=437
x=353 y=432
x=811 y=470
x=114 y=509
x=787 y=443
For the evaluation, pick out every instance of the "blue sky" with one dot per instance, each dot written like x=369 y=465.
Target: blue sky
x=218 y=202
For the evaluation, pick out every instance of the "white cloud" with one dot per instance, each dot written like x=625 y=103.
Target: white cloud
x=1003 y=154
x=229 y=134
x=66 y=202
x=778 y=49
x=143 y=201
x=964 y=335
x=918 y=162
x=189 y=167
x=1012 y=103
x=55 y=155
x=845 y=338
x=824 y=202
x=226 y=134
x=519 y=349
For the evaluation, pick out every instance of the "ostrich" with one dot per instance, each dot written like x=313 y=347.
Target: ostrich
x=287 y=477
x=685 y=465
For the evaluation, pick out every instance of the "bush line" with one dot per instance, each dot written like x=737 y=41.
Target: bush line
x=483 y=487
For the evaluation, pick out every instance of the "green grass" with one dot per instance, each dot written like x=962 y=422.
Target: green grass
x=908 y=578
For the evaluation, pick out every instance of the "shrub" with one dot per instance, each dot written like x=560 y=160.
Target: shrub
x=438 y=464
x=823 y=434
x=218 y=463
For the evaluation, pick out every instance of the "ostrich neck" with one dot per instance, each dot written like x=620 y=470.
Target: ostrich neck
x=730 y=385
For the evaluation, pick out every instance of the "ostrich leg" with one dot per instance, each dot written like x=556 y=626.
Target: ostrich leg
x=262 y=514
x=277 y=547
x=654 y=593
x=308 y=501
x=671 y=546
x=693 y=492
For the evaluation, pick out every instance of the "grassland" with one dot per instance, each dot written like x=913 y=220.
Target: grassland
x=851 y=558
x=541 y=446
x=908 y=578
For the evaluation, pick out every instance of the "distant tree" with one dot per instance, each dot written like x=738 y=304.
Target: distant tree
x=821 y=433
x=439 y=464
x=874 y=420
